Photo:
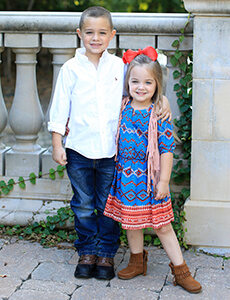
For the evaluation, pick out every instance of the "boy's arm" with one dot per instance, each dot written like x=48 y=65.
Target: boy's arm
x=59 y=155
x=164 y=111
x=166 y=161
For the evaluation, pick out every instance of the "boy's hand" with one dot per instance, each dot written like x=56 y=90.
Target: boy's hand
x=162 y=190
x=164 y=112
x=59 y=155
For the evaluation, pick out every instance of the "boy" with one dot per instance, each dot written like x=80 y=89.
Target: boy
x=89 y=92
x=91 y=83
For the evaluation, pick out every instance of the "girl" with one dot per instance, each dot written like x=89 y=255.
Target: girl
x=139 y=197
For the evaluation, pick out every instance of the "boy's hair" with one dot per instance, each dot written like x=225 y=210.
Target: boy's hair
x=156 y=71
x=95 y=12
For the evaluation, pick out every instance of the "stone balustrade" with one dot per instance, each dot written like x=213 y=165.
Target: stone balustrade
x=26 y=34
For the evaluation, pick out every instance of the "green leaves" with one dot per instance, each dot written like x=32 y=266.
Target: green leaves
x=47 y=233
x=52 y=174
x=181 y=171
x=21 y=183
x=5 y=188
x=32 y=178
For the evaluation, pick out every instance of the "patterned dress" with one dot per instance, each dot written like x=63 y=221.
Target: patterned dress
x=128 y=201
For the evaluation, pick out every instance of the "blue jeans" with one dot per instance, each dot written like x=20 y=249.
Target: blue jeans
x=91 y=180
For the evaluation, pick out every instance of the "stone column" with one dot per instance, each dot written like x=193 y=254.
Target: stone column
x=62 y=47
x=3 y=119
x=208 y=209
x=26 y=114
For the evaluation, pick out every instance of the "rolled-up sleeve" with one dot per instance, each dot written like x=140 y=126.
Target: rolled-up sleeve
x=165 y=136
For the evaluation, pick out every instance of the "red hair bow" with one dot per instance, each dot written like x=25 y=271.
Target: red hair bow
x=149 y=51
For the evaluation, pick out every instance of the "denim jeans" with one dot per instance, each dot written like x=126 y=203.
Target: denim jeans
x=91 y=180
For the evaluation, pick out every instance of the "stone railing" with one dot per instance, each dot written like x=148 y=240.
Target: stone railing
x=26 y=34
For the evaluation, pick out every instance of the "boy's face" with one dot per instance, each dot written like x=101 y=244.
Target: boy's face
x=95 y=34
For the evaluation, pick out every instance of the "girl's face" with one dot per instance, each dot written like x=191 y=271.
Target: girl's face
x=142 y=86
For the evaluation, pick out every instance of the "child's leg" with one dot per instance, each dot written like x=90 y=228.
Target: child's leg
x=136 y=240
x=180 y=270
x=108 y=229
x=138 y=257
x=81 y=174
x=170 y=243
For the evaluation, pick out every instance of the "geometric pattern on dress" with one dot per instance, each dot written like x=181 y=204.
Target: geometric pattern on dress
x=128 y=201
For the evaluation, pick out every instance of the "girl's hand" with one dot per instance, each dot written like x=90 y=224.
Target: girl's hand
x=162 y=190
x=59 y=155
x=164 y=112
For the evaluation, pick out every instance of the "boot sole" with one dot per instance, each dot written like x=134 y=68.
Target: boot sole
x=127 y=278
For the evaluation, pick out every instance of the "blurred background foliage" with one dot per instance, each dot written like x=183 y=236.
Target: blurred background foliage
x=153 y=6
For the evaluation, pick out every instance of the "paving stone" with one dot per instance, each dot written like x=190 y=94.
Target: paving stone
x=63 y=273
x=8 y=286
x=57 y=272
x=44 y=286
x=74 y=259
x=38 y=295
x=214 y=281
x=33 y=251
x=201 y=260
x=20 y=269
x=84 y=293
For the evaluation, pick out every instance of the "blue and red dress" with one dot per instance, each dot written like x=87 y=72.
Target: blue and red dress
x=129 y=202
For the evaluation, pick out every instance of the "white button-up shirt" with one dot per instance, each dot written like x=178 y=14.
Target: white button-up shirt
x=91 y=98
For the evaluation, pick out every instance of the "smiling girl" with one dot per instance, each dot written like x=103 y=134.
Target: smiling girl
x=139 y=197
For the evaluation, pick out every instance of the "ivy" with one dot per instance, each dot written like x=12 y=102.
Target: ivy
x=5 y=188
x=181 y=170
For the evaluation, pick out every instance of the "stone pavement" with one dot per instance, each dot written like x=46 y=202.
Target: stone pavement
x=37 y=273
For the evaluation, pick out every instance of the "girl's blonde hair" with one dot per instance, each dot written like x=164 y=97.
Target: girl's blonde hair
x=156 y=71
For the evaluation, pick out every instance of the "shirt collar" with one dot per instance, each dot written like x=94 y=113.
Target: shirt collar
x=81 y=51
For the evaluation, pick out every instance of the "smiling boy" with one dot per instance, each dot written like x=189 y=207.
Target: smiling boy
x=89 y=92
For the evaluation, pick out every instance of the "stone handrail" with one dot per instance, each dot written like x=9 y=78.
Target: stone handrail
x=67 y=22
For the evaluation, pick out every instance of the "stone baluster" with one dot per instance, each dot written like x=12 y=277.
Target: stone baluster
x=26 y=116
x=55 y=43
x=208 y=208
x=3 y=121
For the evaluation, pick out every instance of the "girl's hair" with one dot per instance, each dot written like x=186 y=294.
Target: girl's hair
x=95 y=12
x=156 y=71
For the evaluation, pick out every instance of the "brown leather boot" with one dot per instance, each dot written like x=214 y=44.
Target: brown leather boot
x=137 y=265
x=183 y=277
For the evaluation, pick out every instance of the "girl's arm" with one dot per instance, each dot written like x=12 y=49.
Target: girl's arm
x=164 y=111
x=59 y=155
x=166 y=161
